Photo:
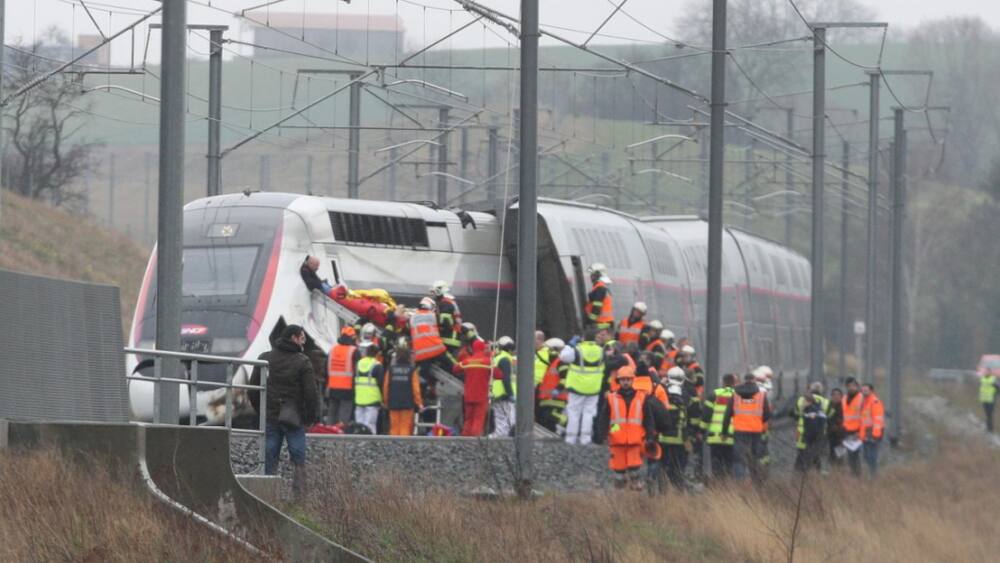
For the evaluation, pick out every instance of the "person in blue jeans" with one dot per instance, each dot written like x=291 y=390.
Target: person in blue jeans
x=290 y=384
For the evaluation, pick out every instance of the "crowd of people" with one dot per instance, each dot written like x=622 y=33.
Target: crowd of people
x=632 y=385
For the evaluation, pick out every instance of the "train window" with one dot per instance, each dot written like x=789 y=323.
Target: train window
x=780 y=275
x=663 y=260
x=359 y=228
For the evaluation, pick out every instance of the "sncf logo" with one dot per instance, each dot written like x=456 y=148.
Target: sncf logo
x=193 y=330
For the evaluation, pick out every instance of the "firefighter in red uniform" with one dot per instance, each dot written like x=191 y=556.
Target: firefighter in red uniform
x=474 y=367
x=628 y=421
x=343 y=360
x=630 y=328
x=599 y=307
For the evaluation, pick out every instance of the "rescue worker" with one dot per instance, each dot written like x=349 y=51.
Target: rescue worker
x=475 y=369
x=449 y=317
x=541 y=360
x=343 y=359
x=694 y=386
x=630 y=328
x=835 y=427
x=675 y=455
x=649 y=341
x=584 y=377
x=988 y=386
x=428 y=347
x=368 y=389
x=851 y=406
x=369 y=337
x=872 y=426
x=551 y=393
x=810 y=429
x=670 y=356
x=401 y=391
x=599 y=310
x=763 y=376
x=503 y=390
x=714 y=410
x=629 y=424
x=745 y=418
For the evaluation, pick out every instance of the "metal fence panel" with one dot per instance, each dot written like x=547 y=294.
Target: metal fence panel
x=60 y=350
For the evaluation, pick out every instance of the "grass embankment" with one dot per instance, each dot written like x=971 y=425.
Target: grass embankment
x=38 y=239
x=54 y=510
x=942 y=509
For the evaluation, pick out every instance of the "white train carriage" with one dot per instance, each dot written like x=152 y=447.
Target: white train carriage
x=241 y=283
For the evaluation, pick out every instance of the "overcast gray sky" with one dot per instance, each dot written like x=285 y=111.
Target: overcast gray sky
x=425 y=20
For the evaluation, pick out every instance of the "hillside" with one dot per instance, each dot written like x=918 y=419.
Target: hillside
x=39 y=239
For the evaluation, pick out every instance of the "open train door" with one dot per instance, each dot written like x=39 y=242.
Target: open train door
x=557 y=306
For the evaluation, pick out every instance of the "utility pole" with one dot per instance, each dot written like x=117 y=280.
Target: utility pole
x=213 y=170
x=309 y=174
x=147 y=165
x=816 y=354
x=214 y=109
x=872 y=232
x=527 y=246
x=789 y=181
x=111 y=191
x=654 y=189
x=354 y=136
x=171 y=201
x=391 y=194
x=442 y=180
x=844 y=253
x=896 y=279
x=717 y=155
x=3 y=13
x=491 y=167
x=463 y=161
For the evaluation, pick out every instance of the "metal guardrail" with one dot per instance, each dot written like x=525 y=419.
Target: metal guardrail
x=194 y=383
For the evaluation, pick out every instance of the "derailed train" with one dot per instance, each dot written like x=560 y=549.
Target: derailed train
x=241 y=282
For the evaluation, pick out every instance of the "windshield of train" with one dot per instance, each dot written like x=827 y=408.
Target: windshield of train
x=218 y=270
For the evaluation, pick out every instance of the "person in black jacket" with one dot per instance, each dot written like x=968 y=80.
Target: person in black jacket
x=835 y=426
x=291 y=387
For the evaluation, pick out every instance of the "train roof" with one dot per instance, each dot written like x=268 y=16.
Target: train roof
x=250 y=199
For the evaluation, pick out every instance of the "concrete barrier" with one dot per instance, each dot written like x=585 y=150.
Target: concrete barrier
x=188 y=469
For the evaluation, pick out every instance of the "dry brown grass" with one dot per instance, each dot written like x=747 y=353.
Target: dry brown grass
x=39 y=239
x=935 y=510
x=53 y=510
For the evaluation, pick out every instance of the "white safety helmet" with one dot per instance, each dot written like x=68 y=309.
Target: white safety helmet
x=598 y=268
x=505 y=343
x=640 y=306
x=368 y=332
x=687 y=349
x=676 y=375
x=655 y=325
x=762 y=373
x=440 y=288
x=556 y=344
x=426 y=304
x=666 y=334
x=468 y=327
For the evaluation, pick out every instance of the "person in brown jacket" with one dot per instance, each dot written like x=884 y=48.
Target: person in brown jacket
x=401 y=391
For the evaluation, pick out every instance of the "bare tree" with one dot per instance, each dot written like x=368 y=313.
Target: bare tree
x=960 y=51
x=45 y=152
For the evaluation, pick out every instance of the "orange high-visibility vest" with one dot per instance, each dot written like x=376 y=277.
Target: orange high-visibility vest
x=606 y=314
x=669 y=359
x=852 y=412
x=748 y=414
x=629 y=333
x=872 y=418
x=626 y=427
x=550 y=382
x=426 y=338
x=340 y=367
